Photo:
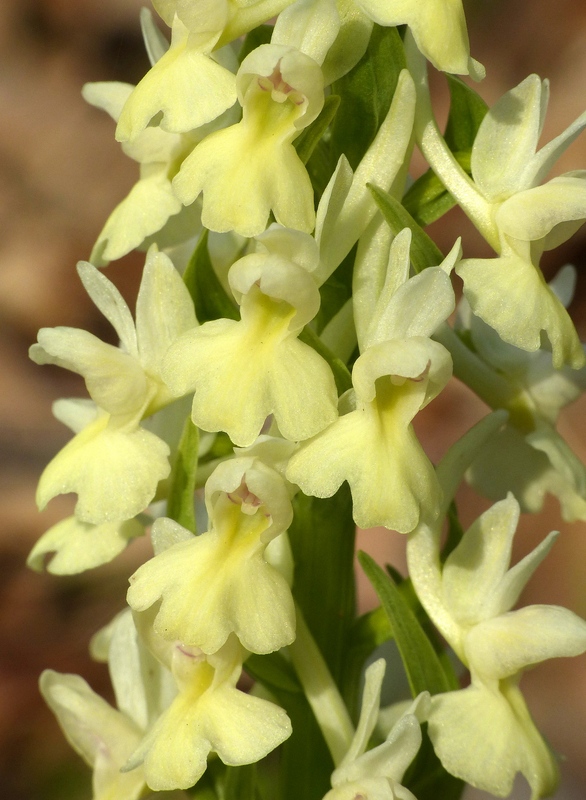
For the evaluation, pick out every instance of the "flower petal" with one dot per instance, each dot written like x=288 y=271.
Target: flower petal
x=114 y=472
x=76 y=546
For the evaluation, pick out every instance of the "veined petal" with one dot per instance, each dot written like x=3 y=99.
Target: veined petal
x=530 y=306
x=186 y=86
x=114 y=472
x=503 y=646
x=215 y=584
x=534 y=213
x=507 y=139
x=76 y=546
x=482 y=737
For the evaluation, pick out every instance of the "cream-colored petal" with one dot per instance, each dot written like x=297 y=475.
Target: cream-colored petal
x=511 y=295
x=485 y=738
x=534 y=213
x=438 y=27
x=475 y=569
x=114 y=379
x=114 y=472
x=215 y=584
x=76 y=546
x=101 y=735
x=503 y=646
x=164 y=310
x=375 y=449
x=186 y=86
x=507 y=139
x=144 y=211
x=244 y=175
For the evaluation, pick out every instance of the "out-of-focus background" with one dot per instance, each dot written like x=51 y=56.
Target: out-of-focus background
x=61 y=173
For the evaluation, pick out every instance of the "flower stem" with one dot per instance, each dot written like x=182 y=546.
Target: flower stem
x=321 y=691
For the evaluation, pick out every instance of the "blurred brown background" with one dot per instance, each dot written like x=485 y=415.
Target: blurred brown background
x=61 y=173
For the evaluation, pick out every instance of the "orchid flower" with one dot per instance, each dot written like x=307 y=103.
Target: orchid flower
x=243 y=371
x=538 y=460
x=377 y=774
x=517 y=216
x=209 y=714
x=185 y=70
x=247 y=170
x=218 y=583
x=400 y=371
x=105 y=737
x=484 y=734
x=114 y=464
x=151 y=206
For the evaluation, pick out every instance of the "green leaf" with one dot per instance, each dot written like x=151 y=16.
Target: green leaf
x=209 y=297
x=467 y=110
x=427 y=199
x=336 y=291
x=306 y=764
x=273 y=671
x=183 y=475
x=422 y=664
x=241 y=783
x=455 y=532
x=306 y=143
x=254 y=39
x=365 y=95
x=322 y=540
x=424 y=251
x=342 y=376
x=368 y=632
x=427 y=778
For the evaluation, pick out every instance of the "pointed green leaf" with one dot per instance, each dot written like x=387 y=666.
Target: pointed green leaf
x=322 y=540
x=365 y=95
x=241 y=783
x=274 y=672
x=467 y=110
x=427 y=778
x=254 y=39
x=342 y=376
x=209 y=297
x=455 y=531
x=180 y=505
x=424 y=252
x=422 y=665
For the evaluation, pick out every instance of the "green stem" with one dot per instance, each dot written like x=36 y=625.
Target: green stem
x=321 y=692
